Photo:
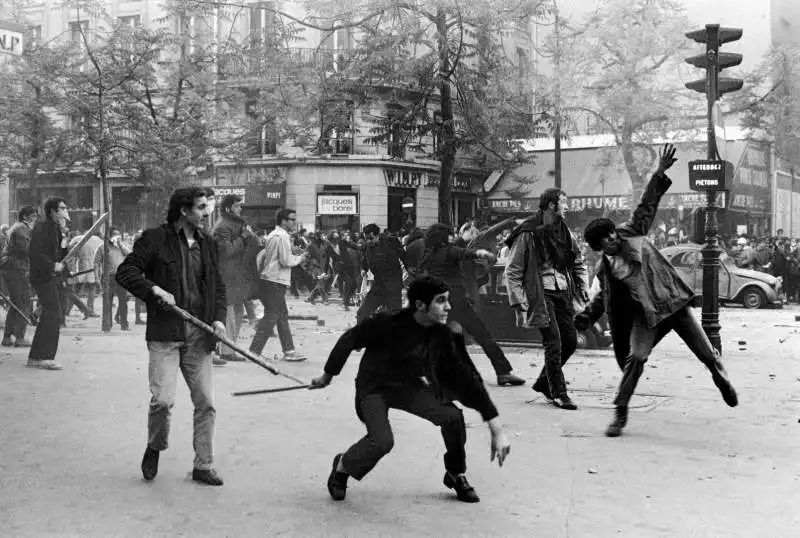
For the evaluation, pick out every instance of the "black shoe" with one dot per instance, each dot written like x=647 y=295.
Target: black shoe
x=720 y=377
x=564 y=402
x=464 y=491
x=124 y=327
x=7 y=342
x=509 y=379
x=543 y=388
x=337 y=481
x=150 y=464
x=620 y=421
x=140 y=322
x=206 y=476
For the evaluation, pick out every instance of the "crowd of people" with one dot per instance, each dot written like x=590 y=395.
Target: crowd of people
x=415 y=355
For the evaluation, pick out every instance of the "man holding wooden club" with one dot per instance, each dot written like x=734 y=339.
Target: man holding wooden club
x=177 y=264
x=413 y=362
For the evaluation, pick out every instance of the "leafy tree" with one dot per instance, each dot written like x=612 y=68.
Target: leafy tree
x=619 y=68
x=451 y=87
x=770 y=101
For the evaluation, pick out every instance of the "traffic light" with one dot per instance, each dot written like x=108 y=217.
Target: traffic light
x=714 y=61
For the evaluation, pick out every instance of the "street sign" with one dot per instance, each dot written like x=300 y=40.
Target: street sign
x=709 y=175
x=11 y=38
x=407 y=204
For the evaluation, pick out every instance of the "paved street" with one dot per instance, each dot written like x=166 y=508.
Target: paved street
x=687 y=465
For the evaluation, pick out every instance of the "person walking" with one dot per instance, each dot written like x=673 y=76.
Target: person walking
x=177 y=264
x=443 y=260
x=546 y=275
x=117 y=251
x=48 y=248
x=275 y=264
x=238 y=250
x=384 y=256
x=15 y=265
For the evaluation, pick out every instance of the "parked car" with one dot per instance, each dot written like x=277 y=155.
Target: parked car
x=752 y=289
x=501 y=319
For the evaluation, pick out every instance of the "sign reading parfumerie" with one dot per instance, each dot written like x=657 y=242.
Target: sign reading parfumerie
x=337 y=204
x=709 y=175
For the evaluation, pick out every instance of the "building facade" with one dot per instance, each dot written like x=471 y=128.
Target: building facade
x=349 y=183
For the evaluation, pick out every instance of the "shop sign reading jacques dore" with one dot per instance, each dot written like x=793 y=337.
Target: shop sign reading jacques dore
x=337 y=204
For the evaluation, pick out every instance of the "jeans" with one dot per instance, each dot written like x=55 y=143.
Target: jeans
x=560 y=340
x=380 y=295
x=273 y=297
x=18 y=290
x=233 y=325
x=45 y=339
x=464 y=313
x=122 y=302
x=195 y=365
x=373 y=410
x=643 y=339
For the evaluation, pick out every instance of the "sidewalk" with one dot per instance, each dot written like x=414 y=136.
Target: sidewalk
x=686 y=466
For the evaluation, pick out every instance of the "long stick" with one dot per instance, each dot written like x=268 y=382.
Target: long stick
x=247 y=354
x=8 y=301
x=268 y=391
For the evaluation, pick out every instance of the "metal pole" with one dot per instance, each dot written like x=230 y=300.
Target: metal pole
x=711 y=250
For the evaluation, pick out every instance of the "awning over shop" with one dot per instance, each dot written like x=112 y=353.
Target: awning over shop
x=595 y=178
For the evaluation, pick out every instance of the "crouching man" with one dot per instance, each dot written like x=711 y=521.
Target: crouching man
x=412 y=362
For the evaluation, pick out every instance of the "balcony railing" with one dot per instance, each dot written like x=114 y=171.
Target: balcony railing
x=270 y=62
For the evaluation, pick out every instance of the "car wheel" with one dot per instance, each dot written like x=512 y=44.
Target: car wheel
x=586 y=340
x=752 y=297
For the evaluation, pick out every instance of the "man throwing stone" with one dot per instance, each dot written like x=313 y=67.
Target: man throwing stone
x=644 y=296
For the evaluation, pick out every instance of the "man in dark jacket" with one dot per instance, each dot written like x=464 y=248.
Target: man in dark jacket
x=412 y=362
x=546 y=275
x=48 y=248
x=177 y=264
x=443 y=260
x=15 y=264
x=238 y=249
x=644 y=296
x=383 y=255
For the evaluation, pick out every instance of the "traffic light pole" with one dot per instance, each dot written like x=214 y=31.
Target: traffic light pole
x=711 y=250
x=714 y=86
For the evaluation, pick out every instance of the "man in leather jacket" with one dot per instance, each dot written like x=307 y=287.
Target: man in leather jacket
x=644 y=296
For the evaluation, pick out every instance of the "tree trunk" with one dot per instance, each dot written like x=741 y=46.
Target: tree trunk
x=108 y=300
x=448 y=146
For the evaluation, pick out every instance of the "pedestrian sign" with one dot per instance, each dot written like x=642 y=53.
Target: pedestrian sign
x=709 y=175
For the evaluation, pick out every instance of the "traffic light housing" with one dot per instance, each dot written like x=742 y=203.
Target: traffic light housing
x=714 y=61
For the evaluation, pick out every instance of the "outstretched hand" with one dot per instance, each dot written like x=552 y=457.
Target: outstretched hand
x=666 y=158
x=500 y=448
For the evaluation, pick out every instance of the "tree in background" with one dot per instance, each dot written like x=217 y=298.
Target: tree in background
x=621 y=66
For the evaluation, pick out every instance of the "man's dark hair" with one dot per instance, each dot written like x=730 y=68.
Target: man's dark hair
x=183 y=198
x=283 y=215
x=52 y=205
x=209 y=191
x=372 y=229
x=550 y=196
x=113 y=230
x=425 y=289
x=228 y=201
x=26 y=211
x=596 y=231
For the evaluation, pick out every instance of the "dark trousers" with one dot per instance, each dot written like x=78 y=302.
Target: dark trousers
x=347 y=287
x=18 y=289
x=463 y=312
x=389 y=298
x=273 y=297
x=69 y=298
x=560 y=340
x=320 y=290
x=122 y=302
x=643 y=339
x=45 y=339
x=373 y=410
